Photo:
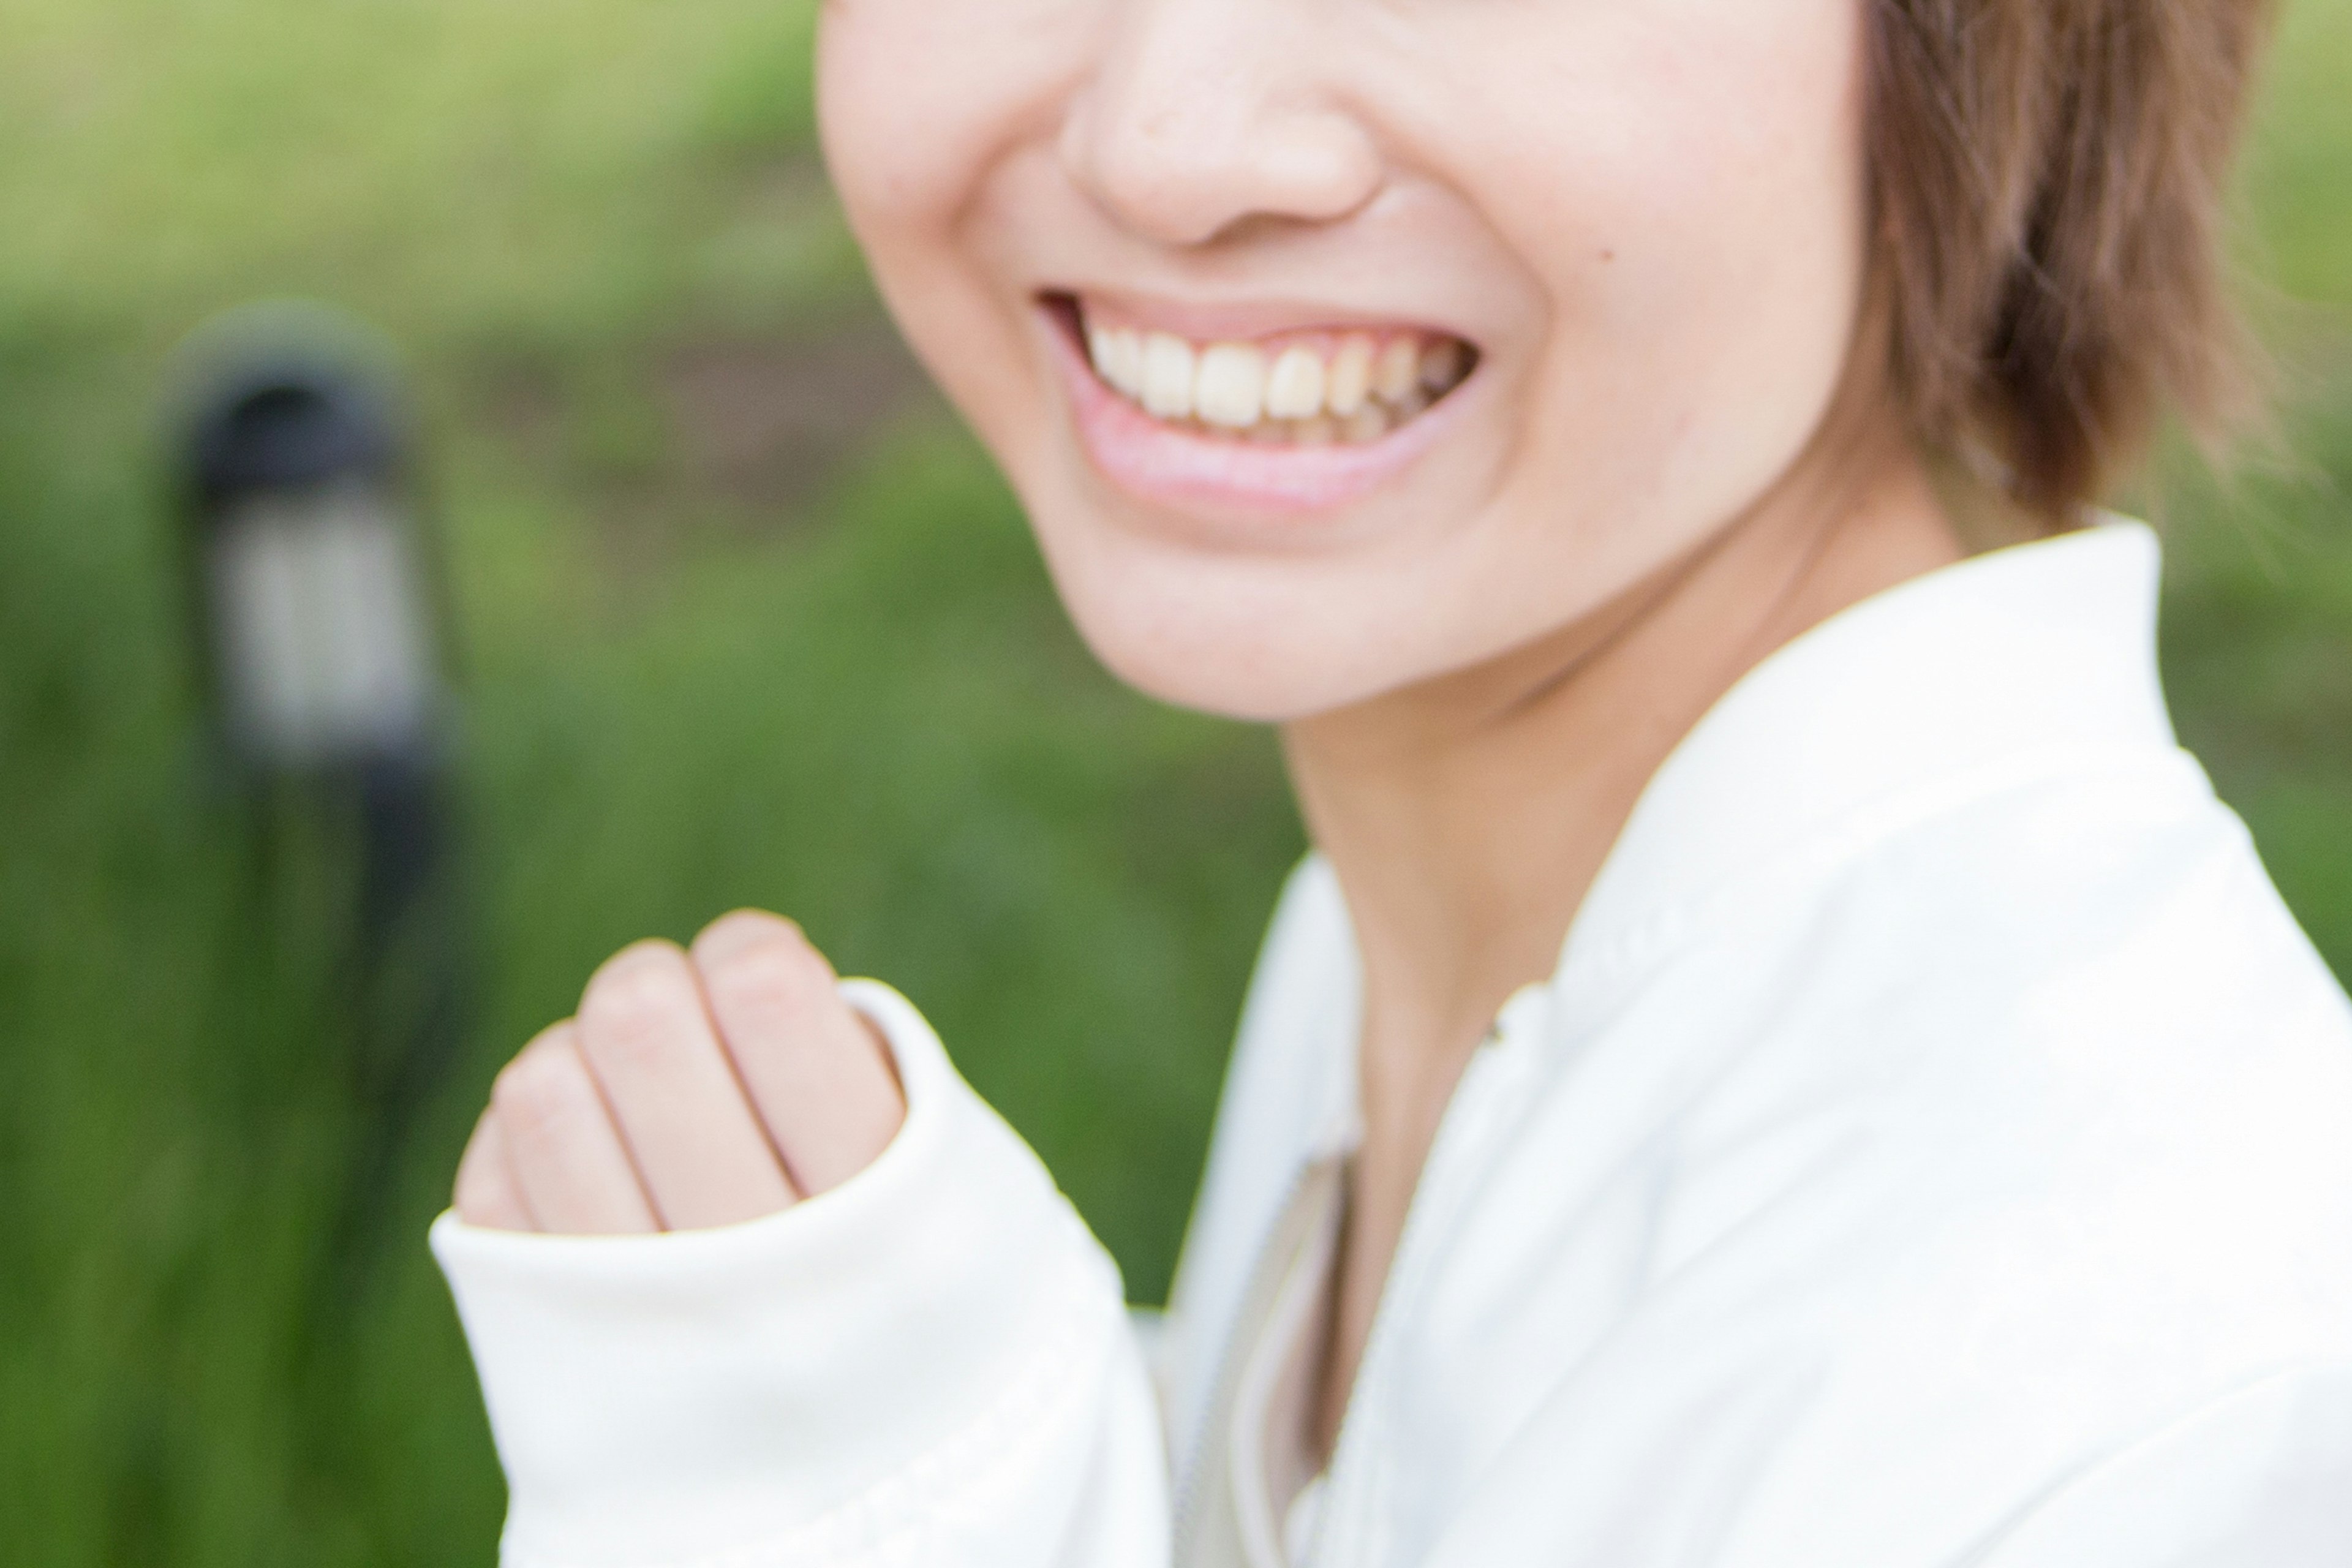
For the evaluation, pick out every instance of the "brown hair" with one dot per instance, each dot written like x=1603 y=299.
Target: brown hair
x=2048 y=190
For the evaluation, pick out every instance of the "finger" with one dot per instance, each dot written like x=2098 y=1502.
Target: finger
x=691 y=1131
x=566 y=1155
x=486 y=1194
x=820 y=1076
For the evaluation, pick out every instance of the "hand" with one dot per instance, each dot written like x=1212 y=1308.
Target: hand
x=694 y=1089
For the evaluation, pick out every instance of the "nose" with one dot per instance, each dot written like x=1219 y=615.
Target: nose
x=1203 y=115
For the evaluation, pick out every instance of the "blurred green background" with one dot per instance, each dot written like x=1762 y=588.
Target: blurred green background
x=744 y=618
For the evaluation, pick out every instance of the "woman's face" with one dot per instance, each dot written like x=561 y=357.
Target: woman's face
x=1337 y=344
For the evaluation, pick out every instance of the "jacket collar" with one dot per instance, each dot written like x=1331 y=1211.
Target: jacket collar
x=2039 y=649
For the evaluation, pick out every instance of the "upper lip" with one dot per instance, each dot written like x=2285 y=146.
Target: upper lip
x=1207 y=321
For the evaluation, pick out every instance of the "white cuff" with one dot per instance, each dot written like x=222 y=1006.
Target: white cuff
x=810 y=1386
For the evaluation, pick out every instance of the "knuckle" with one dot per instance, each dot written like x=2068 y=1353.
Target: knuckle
x=538 y=1089
x=731 y=937
x=641 y=985
x=743 y=927
x=787 y=977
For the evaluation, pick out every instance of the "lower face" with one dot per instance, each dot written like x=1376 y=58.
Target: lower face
x=1337 y=345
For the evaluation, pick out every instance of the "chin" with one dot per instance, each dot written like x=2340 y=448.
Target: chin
x=1241 y=653
x=1227 y=690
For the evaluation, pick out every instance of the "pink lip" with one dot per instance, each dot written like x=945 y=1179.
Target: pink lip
x=1158 y=463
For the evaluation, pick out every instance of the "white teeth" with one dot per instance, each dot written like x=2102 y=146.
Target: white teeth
x=1127 y=361
x=1118 y=353
x=1231 y=387
x=1397 y=370
x=1351 y=381
x=1311 y=393
x=1168 y=368
x=1295 y=390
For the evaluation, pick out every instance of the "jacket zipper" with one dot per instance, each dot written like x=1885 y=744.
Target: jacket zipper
x=1404 y=1280
x=1184 y=1519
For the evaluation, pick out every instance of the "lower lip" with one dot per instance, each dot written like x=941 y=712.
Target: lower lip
x=1161 y=464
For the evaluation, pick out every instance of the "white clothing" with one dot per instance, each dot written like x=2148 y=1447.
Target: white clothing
x=1934 y=1150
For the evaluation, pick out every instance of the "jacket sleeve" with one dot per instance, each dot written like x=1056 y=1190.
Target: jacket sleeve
x=930 y=1364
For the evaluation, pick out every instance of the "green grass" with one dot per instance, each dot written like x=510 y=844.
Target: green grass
x=690 y=682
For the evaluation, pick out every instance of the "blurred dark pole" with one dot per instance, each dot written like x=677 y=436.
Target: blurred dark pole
x=312 y=584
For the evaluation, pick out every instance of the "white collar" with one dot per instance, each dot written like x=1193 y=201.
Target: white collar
x=2038 y=649
x=2002 y=665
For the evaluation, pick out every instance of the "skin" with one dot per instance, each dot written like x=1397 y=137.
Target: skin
x=693 y=1087
x=1677 y=452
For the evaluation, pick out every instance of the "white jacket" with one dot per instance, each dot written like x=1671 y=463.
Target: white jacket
x=1933 y=1149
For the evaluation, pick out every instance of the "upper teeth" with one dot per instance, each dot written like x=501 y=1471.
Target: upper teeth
x=1355 y=384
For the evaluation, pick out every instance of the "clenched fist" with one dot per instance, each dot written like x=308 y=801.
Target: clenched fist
x=695 y=1088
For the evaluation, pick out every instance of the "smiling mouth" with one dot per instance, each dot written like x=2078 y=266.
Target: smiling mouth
x=1350 y=386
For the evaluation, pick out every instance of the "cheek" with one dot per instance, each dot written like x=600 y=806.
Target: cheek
x=1688 y=180
x=1748 y=193
x=896 y=125
x=918 y=101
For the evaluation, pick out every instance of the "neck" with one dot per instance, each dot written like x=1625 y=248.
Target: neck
x=1467 y=816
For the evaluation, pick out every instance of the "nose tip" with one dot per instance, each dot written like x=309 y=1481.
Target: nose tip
x=1184 y=157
